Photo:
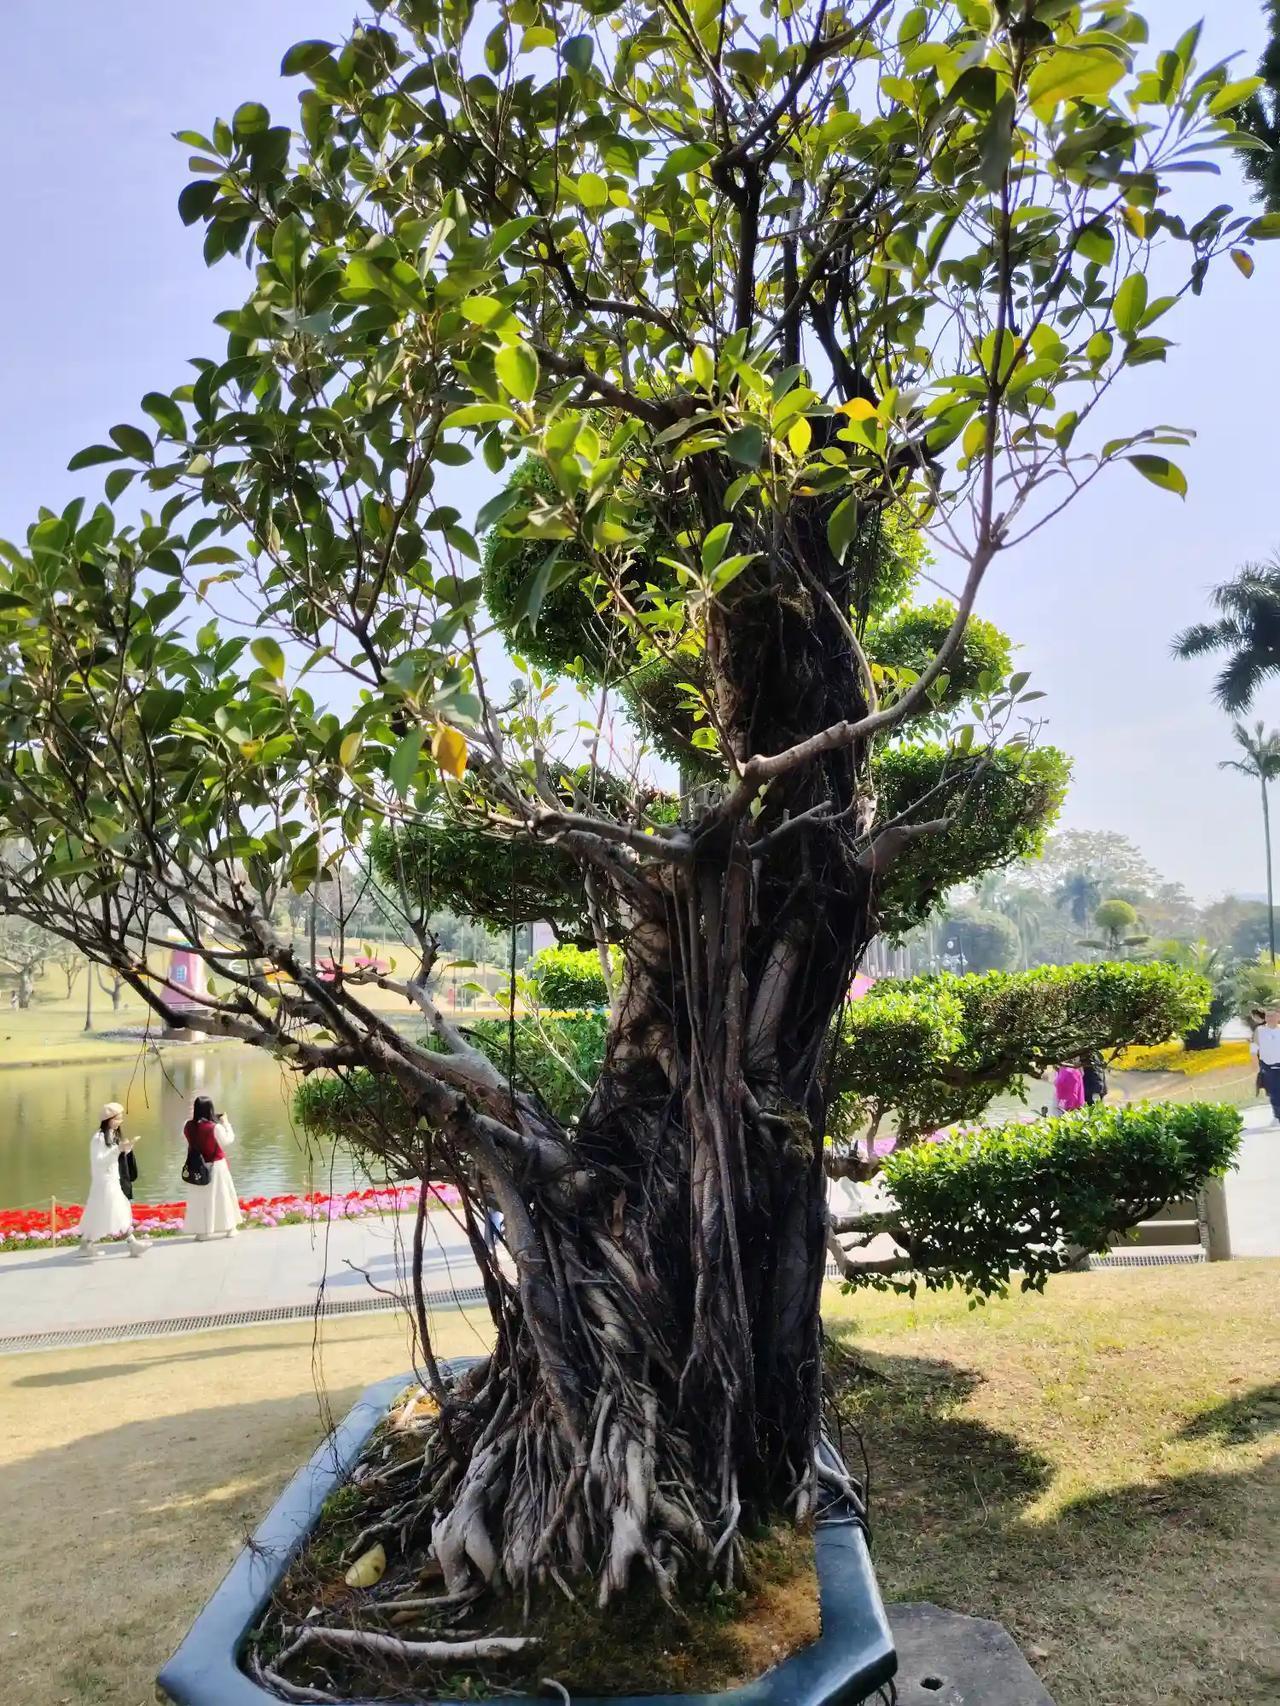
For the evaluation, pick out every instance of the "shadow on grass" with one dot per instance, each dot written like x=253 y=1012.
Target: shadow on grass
x=1238 y=1420
x=151 y=1511
x=1081 y=1588
x=119 y=1370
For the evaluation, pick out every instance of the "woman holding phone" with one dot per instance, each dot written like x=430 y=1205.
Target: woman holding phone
x=213 y=1209
x=108 y=1213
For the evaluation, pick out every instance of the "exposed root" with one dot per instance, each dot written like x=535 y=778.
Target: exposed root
x=478 y=1651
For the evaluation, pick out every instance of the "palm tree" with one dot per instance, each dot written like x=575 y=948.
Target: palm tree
x=1262 y=761
x=1260 y=117
x=1078 y=894
x=1248 y=628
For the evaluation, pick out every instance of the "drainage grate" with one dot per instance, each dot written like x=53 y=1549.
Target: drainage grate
x=1158 y=1259
x=71 y=1336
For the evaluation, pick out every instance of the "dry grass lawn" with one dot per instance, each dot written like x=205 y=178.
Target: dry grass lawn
x=1097 y=1468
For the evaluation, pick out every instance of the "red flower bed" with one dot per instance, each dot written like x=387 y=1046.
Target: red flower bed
x=40 y=1225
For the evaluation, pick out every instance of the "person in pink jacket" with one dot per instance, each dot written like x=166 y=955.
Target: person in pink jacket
x=1068 y=1087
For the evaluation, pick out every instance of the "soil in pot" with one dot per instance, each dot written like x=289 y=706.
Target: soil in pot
x=382 y=1635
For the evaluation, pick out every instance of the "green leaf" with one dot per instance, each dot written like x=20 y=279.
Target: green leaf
x=269 y=655
x=489 y=514
x=212 y=554
x=1073 y=74
x=593 y=191
x=93 y=454
x=251 y=118
x=404 y=762
x=1096 y=243
x=134 y=442
x=165 y=413
x=1161 y=472
x=745 y=445
x=842 y=527
x=349 y=751
x=1268 y=226
x=577 y=52
x=689 y=157
x=196 y=200
x=997 y=144
x=1130 y=304
x=1234 y=94
x=528 y=606
x=289 y=245
x=517 y=368
x=303 y=55
x=715 y=545
x=478 y=414
x=1099 y=347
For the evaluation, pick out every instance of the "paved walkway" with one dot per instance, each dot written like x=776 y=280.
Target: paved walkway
x=1252 y=1190
x=55 y=1290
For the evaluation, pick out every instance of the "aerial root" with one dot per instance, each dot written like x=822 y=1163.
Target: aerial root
x=484 y=1647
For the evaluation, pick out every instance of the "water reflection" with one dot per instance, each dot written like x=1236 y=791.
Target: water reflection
x=48 y=1113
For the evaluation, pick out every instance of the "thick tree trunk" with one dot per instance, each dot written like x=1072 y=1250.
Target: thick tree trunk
x=657 y=1376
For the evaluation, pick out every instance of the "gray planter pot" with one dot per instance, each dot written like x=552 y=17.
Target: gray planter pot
x=852 y=1658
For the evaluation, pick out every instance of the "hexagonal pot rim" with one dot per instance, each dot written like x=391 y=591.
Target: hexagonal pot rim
x=852 y=1657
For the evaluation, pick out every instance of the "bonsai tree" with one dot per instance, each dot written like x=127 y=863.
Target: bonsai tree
x=754 y=298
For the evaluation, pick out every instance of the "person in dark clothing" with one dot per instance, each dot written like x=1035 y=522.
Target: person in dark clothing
x=1095 y=1077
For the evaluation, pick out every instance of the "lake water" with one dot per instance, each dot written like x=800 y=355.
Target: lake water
x=47 y=1115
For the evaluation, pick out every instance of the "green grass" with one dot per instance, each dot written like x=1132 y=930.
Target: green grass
x=1090 y=1467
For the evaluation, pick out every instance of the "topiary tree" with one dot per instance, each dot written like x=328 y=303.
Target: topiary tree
x=749 y=299
x=1116 y=920
x=923 y=1053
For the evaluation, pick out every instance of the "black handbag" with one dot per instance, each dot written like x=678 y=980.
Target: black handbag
x=195 y=1169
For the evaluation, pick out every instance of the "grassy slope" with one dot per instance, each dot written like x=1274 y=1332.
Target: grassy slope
x=1096 y=1467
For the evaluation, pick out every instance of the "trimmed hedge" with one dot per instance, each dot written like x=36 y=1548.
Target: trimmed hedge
x=937 y=1049
x=979 y=1206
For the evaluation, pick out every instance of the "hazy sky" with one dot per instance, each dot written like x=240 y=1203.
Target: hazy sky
x=105 y=296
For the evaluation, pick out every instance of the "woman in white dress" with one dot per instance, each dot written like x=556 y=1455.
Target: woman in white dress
x=213 y=1208
x=108 y=1213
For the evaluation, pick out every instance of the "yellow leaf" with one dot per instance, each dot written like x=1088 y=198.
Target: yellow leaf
x=1244 y=260
x=975 y=435
x=1136 y=220
x=368 y=1568
x=858 y=409
x=800 y=436
x=449 y=750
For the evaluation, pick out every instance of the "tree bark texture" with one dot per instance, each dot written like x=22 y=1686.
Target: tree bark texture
x=657 y=1376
